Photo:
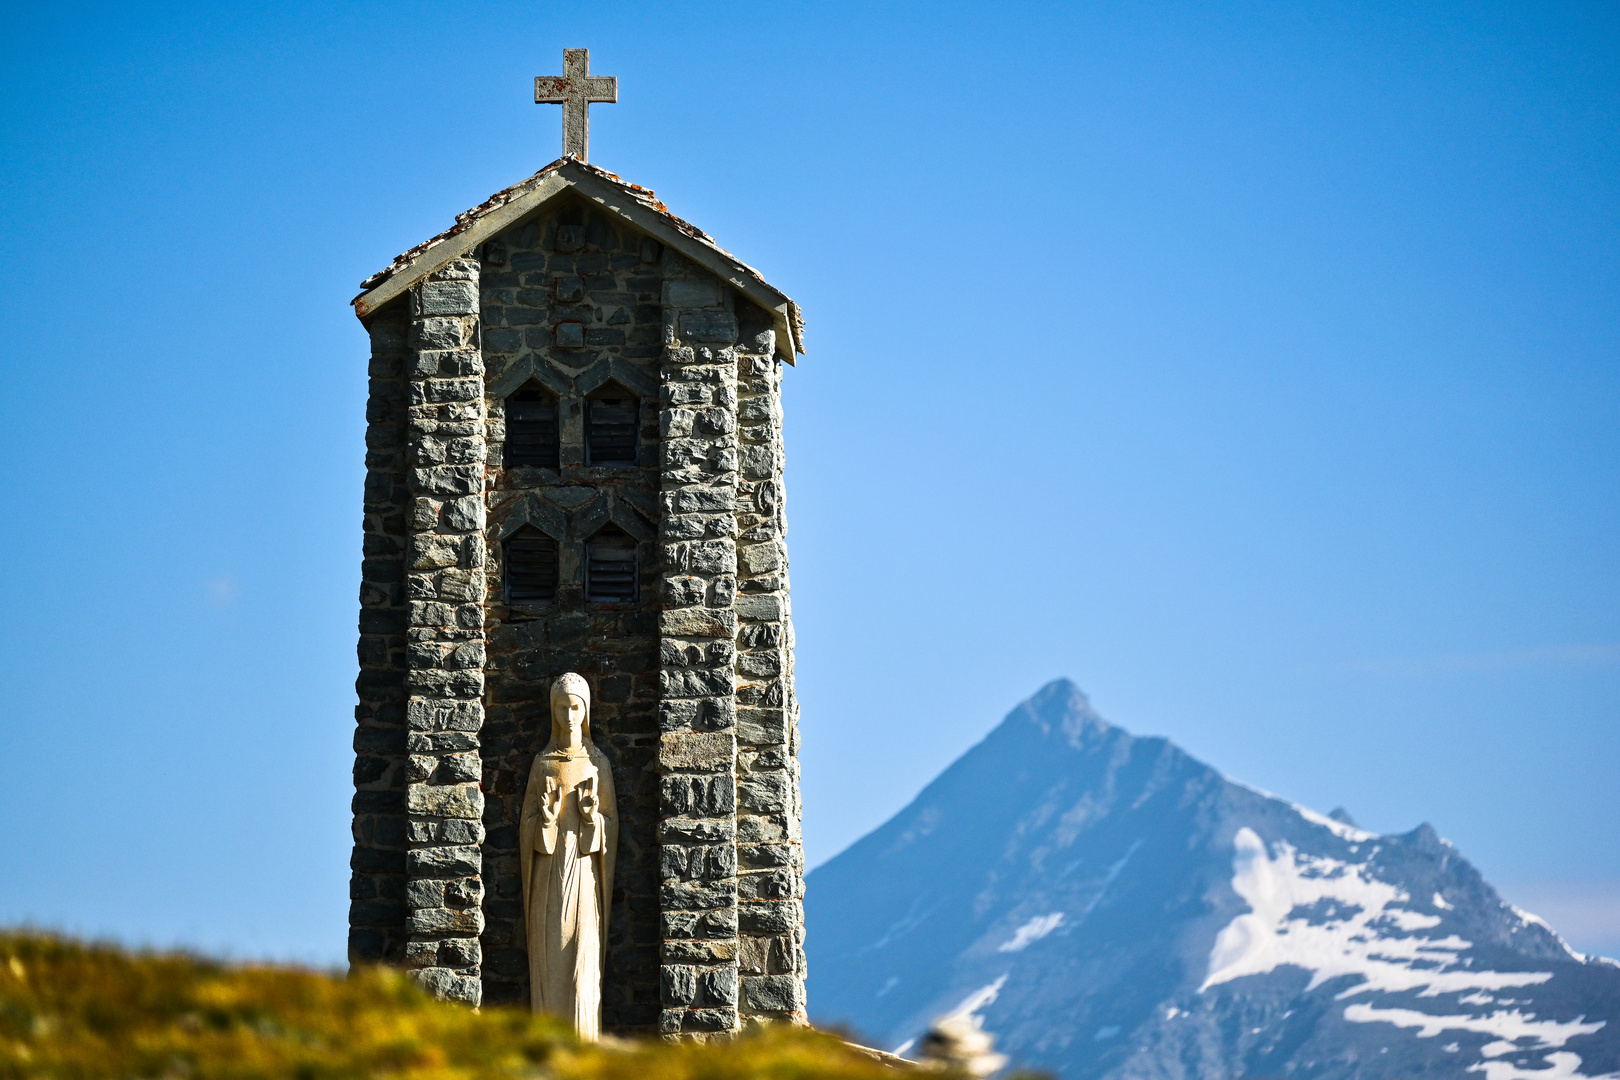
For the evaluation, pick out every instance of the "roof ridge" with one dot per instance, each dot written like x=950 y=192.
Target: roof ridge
x=645 y=197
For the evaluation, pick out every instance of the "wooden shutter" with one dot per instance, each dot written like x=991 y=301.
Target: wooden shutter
x=531 y=567
x=531 y=428
x=610 y=568
x=611 y=419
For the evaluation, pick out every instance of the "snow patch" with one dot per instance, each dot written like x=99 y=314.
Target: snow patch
x=1564 y=1066
x=1031 y=932
x=1508 y=1027
x=1351 y=939
x=1440 y=902
x=1336 y=919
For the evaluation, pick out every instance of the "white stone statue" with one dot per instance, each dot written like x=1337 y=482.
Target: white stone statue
x=568 y=834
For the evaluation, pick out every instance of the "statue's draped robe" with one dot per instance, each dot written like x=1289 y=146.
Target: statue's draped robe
x=567 y=892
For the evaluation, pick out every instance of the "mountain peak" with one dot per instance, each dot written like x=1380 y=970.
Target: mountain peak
x=1062 y=708
x=1111 y=907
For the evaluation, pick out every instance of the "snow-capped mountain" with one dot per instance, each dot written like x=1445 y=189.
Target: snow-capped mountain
x=1112 y=907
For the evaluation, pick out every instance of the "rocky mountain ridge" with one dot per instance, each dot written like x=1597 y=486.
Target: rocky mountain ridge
x=1113 y=908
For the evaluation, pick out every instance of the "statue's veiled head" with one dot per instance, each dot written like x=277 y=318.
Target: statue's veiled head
x=570 y=710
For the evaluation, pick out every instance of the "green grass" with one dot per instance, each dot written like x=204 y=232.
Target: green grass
x=73 y=1011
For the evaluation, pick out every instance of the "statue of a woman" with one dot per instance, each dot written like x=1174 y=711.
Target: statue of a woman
x=568 y=834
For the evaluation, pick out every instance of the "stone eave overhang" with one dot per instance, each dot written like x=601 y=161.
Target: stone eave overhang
x=636 y=205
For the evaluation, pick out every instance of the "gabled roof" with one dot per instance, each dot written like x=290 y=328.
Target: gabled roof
x=636 y=205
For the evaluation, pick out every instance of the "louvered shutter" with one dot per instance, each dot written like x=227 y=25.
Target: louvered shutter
x=531 y=428
x=531 y=567
x=610 y=569
x=610 y=429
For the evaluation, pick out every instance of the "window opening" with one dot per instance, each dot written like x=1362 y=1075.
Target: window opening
x=611 y=419
x=531 y=567
x=531 y=427
x=610 y=567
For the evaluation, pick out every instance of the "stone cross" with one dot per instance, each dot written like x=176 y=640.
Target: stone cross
x=575 y=90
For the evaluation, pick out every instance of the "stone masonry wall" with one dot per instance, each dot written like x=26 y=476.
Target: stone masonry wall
x=578 y=267
x=377 y=865
x=692 y=682
x=770 y=854
x=445 y=683
x=731 y=863
x=697 y=655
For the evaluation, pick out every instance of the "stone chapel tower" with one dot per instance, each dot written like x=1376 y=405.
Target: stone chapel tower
x=574 y=463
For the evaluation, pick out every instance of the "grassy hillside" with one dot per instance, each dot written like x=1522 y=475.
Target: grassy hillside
x=76 y=1011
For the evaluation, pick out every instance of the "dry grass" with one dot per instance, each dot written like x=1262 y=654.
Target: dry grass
x=72 y=1011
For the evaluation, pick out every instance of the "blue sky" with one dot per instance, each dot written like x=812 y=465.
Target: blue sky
x=1255 y=365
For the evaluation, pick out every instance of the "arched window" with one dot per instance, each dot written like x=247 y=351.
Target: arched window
x=531 y=427
x=610 y=567
x=612 y=415
x=531 y=567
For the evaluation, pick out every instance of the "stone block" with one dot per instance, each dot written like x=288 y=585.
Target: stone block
x=443 y=862
x=765 y=856
x=444 y=715
x=695 y=684
x=691 y=294
x=772 y=993
x=700 y=1021
x=441 y=391
x=440 y=921
x=764 y=791
x=497 y=340
x=461 y=953
x=763 y=608
x=676 y=423
x=708 y=327
x=676 y=715
x=702 y=557
x=690 y=500
x=697 y=862
x=759 y=665
x=769 y=917
x=766 y=885
x=678 y=984
x=448 y=801
x=439 y=333
x=444 y=983
x=445 y=684
x=697 y=751
x=697 y=622
x=430 y=552
x=696 y=895
x=700 y=952
x=756 y=559
x=458 y=768
x=698 y=796
x=717 y=986
x=448 y=298
x=569 y=335
x=762 y=829
x=448 y=480
x=720 y=922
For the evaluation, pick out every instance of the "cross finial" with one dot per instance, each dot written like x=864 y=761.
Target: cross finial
x=575 y=90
